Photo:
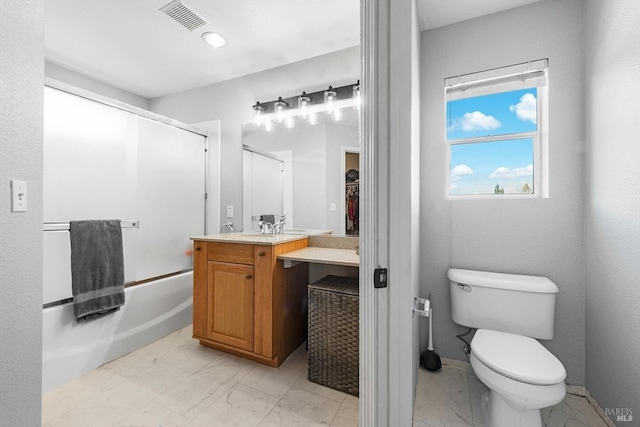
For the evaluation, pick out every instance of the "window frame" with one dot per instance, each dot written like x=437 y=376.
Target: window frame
x=540 y=147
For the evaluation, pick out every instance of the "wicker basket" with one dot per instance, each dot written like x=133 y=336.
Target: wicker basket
x=334 y=333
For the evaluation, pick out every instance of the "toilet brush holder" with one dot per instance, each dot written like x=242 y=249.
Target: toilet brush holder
x=429 y=359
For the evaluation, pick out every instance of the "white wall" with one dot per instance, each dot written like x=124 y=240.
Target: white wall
x=612 y=80
x=21 y=106
x=73 y=78
x=540 y=236
x=231 y=102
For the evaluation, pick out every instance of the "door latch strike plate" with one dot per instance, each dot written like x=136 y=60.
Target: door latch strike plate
x=380 y=278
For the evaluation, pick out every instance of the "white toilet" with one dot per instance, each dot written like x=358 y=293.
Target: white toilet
x=509 y=311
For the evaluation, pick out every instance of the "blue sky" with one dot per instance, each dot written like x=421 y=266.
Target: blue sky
x=476 y=168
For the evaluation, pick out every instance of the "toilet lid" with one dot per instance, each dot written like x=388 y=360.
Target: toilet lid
x=518 y=357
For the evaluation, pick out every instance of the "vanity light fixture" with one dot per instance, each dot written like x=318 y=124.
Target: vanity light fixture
x=214 y=39
x=330 y=101
x=303 y=105
x=330 y=98
x=258 y=111
x=280 y=106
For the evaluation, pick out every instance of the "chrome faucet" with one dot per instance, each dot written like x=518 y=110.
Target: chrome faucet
x=269 y=228
x=266 y=227
x=279 y=227
x=229 y=225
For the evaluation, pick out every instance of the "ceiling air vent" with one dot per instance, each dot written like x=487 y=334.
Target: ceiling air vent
x=183 y=14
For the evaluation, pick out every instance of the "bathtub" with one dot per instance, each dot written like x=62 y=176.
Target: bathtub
x=151 y=311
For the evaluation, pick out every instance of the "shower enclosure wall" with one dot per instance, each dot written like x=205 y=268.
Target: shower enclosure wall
x=105 y=160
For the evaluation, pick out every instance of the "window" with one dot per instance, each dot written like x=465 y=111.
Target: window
x=495 y=128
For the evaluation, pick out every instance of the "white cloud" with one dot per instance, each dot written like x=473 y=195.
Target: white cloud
x=459 y=171
x=503 y=172
x=478 y=121
x=526 y=109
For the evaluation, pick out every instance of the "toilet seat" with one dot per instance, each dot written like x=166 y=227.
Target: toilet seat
x=518 y=357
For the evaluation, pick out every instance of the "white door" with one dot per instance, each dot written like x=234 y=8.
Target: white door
x=390 y=216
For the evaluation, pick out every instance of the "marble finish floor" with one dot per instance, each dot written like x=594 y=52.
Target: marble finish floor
x=451 y=397
x=177 y=382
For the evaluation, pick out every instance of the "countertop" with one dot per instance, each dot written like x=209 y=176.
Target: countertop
x=333 y=256
x=251 y=238
x=339 y=254
x=305 y=231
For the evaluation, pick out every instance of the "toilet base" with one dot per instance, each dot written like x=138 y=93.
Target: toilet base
x=498 y=413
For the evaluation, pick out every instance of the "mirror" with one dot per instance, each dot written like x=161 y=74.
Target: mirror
x=307 y=173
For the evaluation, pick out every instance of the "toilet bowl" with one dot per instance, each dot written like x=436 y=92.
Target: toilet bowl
x=522 y=377
x=510 y=312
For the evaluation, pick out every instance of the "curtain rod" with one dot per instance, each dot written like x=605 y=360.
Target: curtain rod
x=539 y=65
x=523 y=75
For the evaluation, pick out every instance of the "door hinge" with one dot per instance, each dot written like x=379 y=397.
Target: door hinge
x=380 y=278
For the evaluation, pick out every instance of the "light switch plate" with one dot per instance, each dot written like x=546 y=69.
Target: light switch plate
x=18 y=196
x=229 y=211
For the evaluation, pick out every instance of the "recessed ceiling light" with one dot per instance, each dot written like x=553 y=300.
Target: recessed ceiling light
x=214 y=39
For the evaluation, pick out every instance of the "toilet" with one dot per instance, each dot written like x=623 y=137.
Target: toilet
x=510 y=312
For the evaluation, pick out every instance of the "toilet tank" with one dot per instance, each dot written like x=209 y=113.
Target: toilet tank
x=518 y=304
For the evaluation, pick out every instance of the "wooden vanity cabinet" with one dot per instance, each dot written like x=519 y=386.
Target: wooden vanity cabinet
x=246 y=303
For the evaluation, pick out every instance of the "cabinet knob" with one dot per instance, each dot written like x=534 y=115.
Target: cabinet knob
x=261 y=253
x=198 y=248
x=248 y=276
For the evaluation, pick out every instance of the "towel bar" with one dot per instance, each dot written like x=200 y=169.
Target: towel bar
x=64 y=226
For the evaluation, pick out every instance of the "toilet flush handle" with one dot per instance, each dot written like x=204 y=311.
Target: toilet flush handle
x=464 y=287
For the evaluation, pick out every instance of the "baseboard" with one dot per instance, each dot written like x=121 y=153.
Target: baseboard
x=576 y=390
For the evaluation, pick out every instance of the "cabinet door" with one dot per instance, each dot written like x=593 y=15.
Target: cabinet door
x=230 y=304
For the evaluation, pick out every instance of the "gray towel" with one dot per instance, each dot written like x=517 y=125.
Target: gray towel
x=97 y=268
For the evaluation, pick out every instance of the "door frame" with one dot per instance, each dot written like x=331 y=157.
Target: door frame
x=373 y=234
x=390 y=210
x=343 y=212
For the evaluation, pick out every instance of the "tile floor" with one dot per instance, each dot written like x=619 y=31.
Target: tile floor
x=451 y=397
x=177 y=382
